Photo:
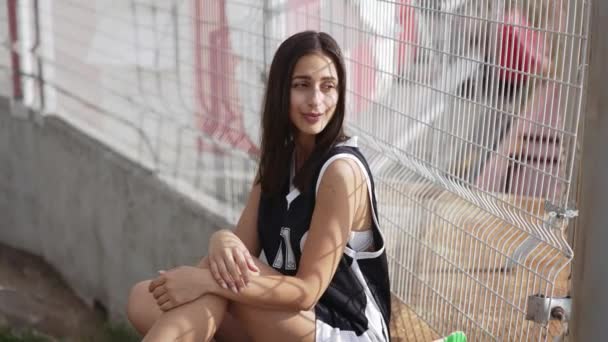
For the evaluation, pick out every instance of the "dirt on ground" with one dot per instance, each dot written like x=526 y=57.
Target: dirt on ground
x=34 y=297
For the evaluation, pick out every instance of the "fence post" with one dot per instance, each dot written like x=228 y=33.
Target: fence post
x=37 y=50
x=590 y=274
x=14 y=37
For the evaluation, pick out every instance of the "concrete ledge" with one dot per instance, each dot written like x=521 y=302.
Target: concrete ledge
x=103 y=221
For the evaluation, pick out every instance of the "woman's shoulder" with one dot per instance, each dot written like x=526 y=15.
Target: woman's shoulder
x=344 y=163
x=348 y=148
x=341 y=173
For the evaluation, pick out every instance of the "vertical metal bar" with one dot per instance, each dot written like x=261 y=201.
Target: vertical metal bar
x=35 y=48
x=265 y=38
x=590 y=278
x=14 y=37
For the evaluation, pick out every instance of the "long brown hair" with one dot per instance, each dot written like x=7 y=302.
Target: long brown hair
x=277 y=129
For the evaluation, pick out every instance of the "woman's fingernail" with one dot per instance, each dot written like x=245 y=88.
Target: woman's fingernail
x=224 y=285
x=233 y=288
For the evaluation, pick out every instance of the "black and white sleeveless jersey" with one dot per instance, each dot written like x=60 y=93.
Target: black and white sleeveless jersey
x=356 y=304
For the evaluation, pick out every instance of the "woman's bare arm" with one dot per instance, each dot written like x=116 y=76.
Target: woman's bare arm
x=329 y=231
x=247 y=226
x=231 y=253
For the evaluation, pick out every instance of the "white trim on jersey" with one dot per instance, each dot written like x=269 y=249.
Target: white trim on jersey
x=372 y=312
x=348 y=251
x=375 y=319
x=293 y=191
x=292 y=195
x=327 y=333
x=376 y=324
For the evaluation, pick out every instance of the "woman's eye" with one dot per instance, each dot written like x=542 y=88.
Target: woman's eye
x=329 y=86
x=299 y=85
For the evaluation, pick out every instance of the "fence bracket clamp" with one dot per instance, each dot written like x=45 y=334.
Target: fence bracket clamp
x=542 y=309
x=558 y=215
x=557 y=212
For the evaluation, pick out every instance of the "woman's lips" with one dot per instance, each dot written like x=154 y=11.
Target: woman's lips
x=312 y=118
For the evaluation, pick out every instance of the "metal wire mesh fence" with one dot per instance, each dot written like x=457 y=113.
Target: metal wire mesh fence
x=467 y=109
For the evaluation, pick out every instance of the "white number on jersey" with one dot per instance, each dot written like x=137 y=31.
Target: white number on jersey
x=291 y=257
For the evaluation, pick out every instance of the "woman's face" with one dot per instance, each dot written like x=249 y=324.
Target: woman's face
x=314 y=94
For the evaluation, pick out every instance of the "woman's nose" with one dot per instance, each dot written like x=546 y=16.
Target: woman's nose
x=316 y=98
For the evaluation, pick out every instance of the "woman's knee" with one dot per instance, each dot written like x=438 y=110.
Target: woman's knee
x=141 y=310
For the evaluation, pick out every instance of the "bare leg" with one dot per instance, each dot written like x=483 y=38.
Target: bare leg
x=198 y=320
x=275 y=325
x=194 y=321
x=143 y=313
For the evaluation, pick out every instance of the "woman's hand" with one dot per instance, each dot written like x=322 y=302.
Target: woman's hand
x=177 y=286
x=230 y=262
